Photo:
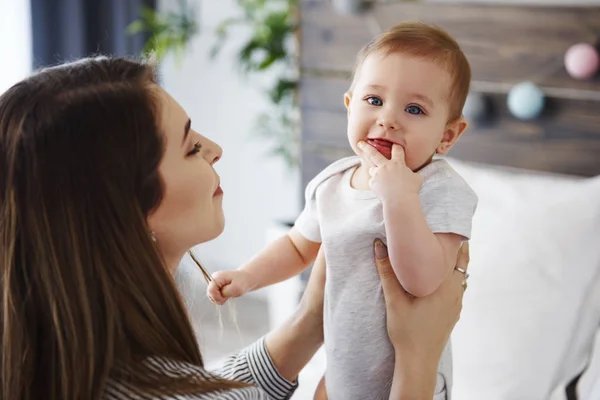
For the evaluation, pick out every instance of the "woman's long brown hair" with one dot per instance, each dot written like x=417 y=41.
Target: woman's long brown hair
x=86 y=296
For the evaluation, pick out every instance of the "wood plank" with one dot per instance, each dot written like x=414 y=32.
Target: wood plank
x=323 y=93
x=572 y=158
x=504 y=43
x=566 y=139
x=314 y=160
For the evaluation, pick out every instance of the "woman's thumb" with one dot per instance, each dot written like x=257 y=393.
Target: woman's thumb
x=381 y=252
x=389 y=282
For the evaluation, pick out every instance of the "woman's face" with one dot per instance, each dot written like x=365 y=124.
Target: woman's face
x=191 y=210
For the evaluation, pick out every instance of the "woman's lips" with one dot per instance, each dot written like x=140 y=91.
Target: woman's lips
x=219 y=191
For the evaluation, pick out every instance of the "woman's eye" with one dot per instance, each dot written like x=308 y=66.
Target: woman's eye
x=195 y=149
x=374 y=101
x=414 y=110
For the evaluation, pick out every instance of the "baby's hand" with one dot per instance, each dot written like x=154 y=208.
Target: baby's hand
x=390 y=179
x=227 y=284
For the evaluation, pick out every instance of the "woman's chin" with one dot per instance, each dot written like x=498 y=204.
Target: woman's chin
x=219 y=228
x=210 y=234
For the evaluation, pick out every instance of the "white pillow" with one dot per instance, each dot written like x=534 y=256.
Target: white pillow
x=589 y=387
x=530 y=314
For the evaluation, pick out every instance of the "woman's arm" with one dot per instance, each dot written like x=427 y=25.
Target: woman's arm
x=293 y=344
x=274 y=362
x=255 y=366
x=419 y=328
x=414 y=379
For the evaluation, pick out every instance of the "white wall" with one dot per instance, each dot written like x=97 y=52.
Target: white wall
x=15 y=42
x=223 y=106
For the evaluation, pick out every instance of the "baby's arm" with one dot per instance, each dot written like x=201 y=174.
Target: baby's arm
x=420 y=258
x=280 y=260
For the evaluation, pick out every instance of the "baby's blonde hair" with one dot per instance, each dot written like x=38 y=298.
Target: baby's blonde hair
x=431 y=43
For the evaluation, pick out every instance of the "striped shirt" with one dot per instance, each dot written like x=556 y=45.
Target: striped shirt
x=252 y=365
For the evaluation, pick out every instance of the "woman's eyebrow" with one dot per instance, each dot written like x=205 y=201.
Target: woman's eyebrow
x=186 y=131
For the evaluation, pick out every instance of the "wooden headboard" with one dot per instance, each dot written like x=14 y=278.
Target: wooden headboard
x=504 y=44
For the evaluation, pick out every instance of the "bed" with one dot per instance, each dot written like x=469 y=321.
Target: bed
x=532 y=312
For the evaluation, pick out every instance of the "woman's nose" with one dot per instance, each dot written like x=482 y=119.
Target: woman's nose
x=213 y=151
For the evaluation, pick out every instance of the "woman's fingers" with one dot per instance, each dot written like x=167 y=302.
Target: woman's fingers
x=389 y=282
x=462 y=265
x=463 y=256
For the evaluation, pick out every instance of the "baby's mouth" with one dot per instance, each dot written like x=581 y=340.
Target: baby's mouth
x=383 y=146
x=380 y=142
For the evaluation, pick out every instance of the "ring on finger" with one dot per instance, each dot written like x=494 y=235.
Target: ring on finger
x=464 y=284
x=462 y=271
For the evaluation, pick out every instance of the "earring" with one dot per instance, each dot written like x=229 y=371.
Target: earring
x=153 y=236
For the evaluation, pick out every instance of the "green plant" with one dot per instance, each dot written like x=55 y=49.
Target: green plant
x=167 y=32
x=270 y=47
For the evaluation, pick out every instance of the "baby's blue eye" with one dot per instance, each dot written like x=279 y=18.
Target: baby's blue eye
x=414 y=110
x=375 y=101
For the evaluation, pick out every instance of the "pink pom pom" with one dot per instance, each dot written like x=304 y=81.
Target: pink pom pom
x=582 y=61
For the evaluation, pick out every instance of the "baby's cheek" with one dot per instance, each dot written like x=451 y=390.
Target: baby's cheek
x=353 y=136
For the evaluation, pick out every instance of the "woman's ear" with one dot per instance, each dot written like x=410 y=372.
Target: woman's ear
x=453 y=131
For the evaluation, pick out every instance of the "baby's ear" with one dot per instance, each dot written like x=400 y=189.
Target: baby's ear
x=347 y=100
x=451 y=134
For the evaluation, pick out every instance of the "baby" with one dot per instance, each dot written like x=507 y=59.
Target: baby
x=404 y=106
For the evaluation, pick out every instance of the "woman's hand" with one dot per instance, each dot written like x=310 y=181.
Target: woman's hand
x=419 y=328
x=293 y=344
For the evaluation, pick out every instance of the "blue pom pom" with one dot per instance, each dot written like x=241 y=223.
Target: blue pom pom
x=526 y=101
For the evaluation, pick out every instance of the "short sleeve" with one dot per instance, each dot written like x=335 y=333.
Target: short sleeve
x=307 y=222
x=448 y=202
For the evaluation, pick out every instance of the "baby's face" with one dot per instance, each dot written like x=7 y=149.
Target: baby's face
x=398 y=98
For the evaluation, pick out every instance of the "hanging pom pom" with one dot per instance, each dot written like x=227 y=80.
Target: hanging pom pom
x=477 y=107
x=582 y=61
x=526 y=101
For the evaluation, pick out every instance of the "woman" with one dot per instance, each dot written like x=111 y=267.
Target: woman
x=103 y=188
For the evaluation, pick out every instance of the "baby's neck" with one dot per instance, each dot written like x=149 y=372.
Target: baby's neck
x=360 y=177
